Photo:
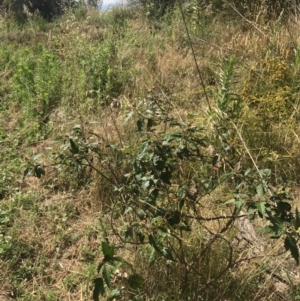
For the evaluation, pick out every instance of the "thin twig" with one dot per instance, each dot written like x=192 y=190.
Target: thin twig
x=201 y=218
x=194 y=56
x=249 y=153
x=116 y=127
x=248 y=21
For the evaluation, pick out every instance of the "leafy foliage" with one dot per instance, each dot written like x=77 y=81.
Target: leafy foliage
x=152 y=182
x=111 y=268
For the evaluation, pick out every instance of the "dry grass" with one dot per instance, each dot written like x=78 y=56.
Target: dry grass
x=57 y=229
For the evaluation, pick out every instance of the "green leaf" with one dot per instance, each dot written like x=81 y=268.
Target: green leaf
x=247 y=171
x=290 y=244
x=150 y=124
x=260 y=190
x=39 y=171
x=129 y=209
x=141 y=213
x=100 y=266
x=150 y=254
x=74 y=147
x=166 y=176
x=265 y=172
x=185 y=228
x=122 y=260
x=98 y=288
x=181 y=191
x=153 y=243
x=106 y=274
x=140 y=124
x=108 y=251
x=284 y=207
x=27 y=171
x=173 y=217
x=114 y=295
x=238 y=203
x=230 y=201
x=141 y=236
x=76 y=128
x=78 y=165
x=276 y=227
x=297 y=220
x=167 y=253
x=135 y=281
x=128 y=233
x=181 y=204
x=261 y=207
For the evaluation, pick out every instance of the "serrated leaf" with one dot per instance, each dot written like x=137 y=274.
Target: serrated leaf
x=290 y=244
x=106 y=274
x=98 y=288
x=107 y=250
x=135 y=281
x=276 y=227
x=266 y=229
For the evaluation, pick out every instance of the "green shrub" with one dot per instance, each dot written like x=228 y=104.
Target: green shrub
x=21 y=9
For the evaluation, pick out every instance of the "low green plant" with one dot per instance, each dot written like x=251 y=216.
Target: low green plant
x=99 y=77
x=112 y=271
x=37 y=85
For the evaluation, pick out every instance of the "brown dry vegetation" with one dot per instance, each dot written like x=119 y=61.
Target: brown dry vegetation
x=51 y=229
